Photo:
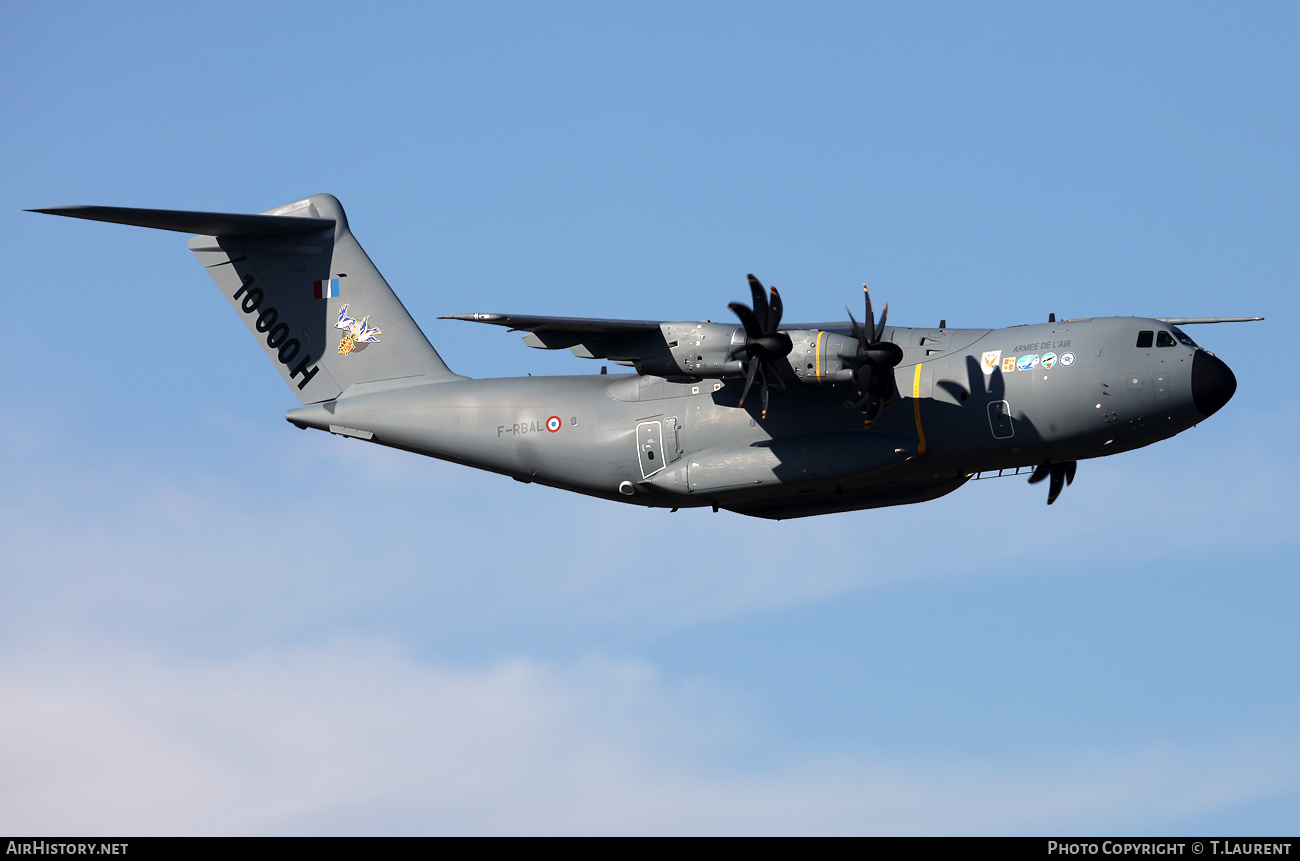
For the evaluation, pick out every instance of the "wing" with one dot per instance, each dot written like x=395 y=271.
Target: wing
x=557 y=333
x=345 y=322
x=625 y=342
x=674 y=350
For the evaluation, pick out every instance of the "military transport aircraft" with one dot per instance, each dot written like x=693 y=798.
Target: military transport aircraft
x=760 y=418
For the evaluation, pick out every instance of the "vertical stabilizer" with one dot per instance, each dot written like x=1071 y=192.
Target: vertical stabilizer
x=311 y=297
x=316 y=304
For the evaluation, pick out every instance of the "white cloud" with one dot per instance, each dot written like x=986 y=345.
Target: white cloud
x=311 y=529
x=103 y=737
x=358 y=738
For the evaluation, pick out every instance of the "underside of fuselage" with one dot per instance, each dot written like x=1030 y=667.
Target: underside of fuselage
x=584 y=434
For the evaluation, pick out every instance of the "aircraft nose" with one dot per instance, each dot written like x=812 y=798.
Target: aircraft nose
x=1212 y=383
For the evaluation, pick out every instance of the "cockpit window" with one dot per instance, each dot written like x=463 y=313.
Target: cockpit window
x=1144 y=339
x=1164 y=339
x=1182 y=337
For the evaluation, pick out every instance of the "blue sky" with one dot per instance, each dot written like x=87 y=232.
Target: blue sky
x=211 y=622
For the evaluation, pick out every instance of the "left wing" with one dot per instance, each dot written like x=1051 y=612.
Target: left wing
x=557 y=333
x=675 y=350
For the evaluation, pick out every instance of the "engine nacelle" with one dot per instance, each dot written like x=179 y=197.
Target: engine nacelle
x=704 y=350
x=816 y=356
x=694 y=350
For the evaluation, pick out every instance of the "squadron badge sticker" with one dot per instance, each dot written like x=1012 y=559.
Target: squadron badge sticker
x=1049 y=359
x=1067 y=359
x=1008 y=364
x=357 y=334
x=1027 y=363
x=989 y=361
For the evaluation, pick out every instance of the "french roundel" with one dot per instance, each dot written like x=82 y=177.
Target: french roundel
x=553 y=424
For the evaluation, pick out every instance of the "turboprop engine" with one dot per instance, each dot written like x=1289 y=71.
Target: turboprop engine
x=711 y=350
x=758 y=349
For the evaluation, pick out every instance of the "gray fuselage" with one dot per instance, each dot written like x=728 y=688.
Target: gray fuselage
x=969 y=401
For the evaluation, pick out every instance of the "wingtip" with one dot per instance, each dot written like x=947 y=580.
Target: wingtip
x=477 y=317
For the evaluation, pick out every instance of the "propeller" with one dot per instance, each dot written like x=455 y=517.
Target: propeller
x=873 y=362
x=763 y=343
x=1061 y=474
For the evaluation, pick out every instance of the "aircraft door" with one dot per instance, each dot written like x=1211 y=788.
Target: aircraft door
x=649 y=447
x=1000 y=420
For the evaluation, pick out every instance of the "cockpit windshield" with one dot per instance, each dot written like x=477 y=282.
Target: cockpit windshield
x=1182 y=337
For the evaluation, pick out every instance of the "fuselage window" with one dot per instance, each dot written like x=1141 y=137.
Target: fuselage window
x=1164 y=339
x=1144 y=339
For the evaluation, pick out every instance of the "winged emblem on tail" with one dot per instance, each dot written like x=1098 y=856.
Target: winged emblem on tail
x=357 y=334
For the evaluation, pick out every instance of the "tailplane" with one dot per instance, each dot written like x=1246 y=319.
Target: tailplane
x=306 y=290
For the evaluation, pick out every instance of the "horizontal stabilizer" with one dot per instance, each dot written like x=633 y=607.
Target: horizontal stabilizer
x=201 y=223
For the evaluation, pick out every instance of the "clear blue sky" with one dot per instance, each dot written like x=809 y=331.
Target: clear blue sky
x=211 y=622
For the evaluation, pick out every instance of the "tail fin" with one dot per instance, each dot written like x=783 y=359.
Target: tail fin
x=306 y=290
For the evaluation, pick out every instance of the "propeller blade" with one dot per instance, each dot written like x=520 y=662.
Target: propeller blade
x=760 y=305
x=1069 y=471
x=1040 y=472
x=884 y=385
x=1058 y=482
x=873 y=354
x=763 y=343
x=774 y=311
x=871 y=315
x=776 y=374
x=857 y=331
x=873 y=411
x=749 y=381
x=864 y=376
x=747 y=319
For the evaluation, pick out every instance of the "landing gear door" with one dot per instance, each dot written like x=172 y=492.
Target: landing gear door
x=649 y=447
x=672 y=443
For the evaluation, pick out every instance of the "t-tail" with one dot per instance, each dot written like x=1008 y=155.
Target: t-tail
x=308 y=293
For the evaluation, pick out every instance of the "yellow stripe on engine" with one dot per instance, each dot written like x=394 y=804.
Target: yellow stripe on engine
x=916 y=408
x=817 y=355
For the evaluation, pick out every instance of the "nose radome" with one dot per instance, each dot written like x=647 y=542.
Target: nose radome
x=1212 y=383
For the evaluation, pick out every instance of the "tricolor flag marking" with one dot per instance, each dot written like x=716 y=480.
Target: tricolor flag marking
x=327 y=289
